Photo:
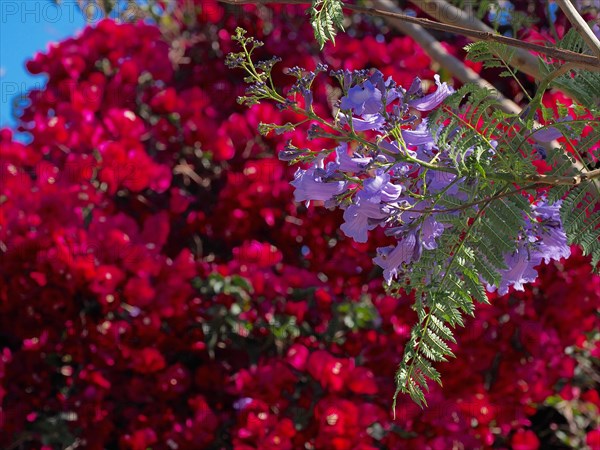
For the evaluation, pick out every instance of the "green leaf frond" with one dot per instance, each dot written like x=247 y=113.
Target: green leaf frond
x=563 y=163
x=326 y=17
x=583 y=85
x=470 y=259
x=471 y=127
x=494 y=55
x=580 y=214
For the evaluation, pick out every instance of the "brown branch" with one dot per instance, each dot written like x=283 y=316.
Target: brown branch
x=579 y=60
x=574 y=180
x=465 y=74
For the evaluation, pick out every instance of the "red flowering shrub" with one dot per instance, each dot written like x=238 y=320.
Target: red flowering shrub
x=160 y=289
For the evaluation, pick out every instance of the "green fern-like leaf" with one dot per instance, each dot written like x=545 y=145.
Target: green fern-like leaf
x=492 y=55
x=326 y=17
x=472 y=259
x=582 y=85
x=468 y=124
x=495 y=55
x=580 y=214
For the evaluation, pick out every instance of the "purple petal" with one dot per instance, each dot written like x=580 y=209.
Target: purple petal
x=310 y=187
x=356 y=218
x=520 y=270
x=433 y=100
x=419 y=136
x=369 y=122
x=429 y=231
x=348 y=164
x=362 y=99
x=391 y=258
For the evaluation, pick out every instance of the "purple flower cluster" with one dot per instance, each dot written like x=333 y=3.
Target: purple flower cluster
x=386 y=179
x=380 y=184
x=543 y=240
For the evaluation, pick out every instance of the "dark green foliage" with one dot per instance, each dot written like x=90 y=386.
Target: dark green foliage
x=492 y=55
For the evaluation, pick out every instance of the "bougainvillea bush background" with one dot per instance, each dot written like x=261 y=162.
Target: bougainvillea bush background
x=160 y=288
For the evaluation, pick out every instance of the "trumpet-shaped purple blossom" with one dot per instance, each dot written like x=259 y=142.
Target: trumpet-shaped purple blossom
x=520 y=270
x=552 y=244
x=392 y=258
x=350 y=164
x=374 y=122
x=420 y=136
x=430 y=230
x=544 y=240
x=309 y=185
x=362 y=99
x=370 y=207
x=433 y=100
x=380 y=189
x=362 y=216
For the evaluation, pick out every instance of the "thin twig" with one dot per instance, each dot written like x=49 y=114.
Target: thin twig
x=564 y=181
x=579 y=60
x=580 y=25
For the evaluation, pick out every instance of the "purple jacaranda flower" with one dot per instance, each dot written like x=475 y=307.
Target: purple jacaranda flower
x=416 y=88
x=347 y=163
x=394 y=148
x=552 y=243
x=391 y=258
x=546 y=212
x=373 y=122
x=308 y=99
x=540 y=151
x=438 y=180
x=391 y=147
x=520 y=270
x=362 y=99
x=358 y=217
x=433 y=100
x=379 y=188
x=420 y=136
x=388 y=87
x=549 y=134
x=309 y=185
x=344 y=76
x=430 y=230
